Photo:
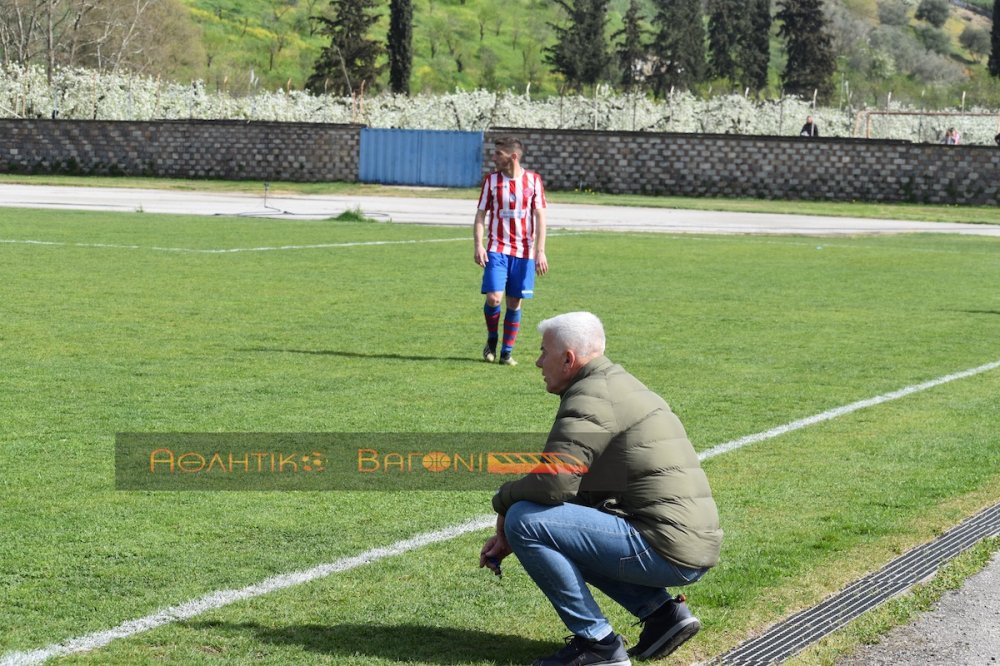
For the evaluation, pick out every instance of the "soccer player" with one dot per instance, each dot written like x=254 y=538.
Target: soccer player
x=512 y=208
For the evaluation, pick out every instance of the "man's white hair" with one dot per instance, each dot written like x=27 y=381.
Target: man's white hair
x=581 y=332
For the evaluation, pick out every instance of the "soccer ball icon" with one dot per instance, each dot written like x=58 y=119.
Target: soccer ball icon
x=436 y=461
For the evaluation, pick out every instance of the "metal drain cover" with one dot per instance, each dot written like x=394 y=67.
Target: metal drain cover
x=793 y=635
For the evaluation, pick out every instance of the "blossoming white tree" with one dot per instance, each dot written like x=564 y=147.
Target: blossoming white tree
x=25 y=92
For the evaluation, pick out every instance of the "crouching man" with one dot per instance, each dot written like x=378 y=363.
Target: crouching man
x=622 y=504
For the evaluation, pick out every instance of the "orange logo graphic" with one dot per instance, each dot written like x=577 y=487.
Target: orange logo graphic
x=456 y=462
x=436 y=461
x=534 y=463
x=168 y=461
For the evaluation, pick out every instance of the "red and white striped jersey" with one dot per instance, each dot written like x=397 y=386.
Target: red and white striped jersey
x=510 y=204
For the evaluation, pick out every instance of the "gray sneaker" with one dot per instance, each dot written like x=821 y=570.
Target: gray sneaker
x=582 y=652
x=489 y=353
x=665 y=630
x=505 y=359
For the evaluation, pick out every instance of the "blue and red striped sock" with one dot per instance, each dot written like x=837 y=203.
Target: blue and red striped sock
x=492 y=314
x=511 y=325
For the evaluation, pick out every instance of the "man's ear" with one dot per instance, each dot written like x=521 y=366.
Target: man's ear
x=569 y=358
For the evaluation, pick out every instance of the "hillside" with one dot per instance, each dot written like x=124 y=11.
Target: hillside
x=470 y=44
x=457 y=43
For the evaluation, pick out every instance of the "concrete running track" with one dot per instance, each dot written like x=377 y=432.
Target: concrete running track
x=460 y=212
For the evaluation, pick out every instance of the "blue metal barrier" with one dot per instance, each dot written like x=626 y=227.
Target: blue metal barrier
x=421 y=157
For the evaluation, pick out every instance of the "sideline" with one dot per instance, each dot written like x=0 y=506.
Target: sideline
x=230 y=250
x=233 y=250
x=840 y=411
x=215 y=600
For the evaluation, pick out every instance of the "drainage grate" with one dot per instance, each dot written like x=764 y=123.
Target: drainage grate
x=799 y=631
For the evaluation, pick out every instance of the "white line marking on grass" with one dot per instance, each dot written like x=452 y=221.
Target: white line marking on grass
x=222 y=598
x=813 y=242
x=235 y=249
x=840 y=411
x=268 y=248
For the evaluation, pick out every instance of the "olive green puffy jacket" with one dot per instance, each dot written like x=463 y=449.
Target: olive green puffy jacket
x=639 y=465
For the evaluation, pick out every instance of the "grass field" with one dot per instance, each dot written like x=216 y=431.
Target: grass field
x=119 y=324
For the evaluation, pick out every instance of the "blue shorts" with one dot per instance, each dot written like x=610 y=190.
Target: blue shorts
x=512 y=275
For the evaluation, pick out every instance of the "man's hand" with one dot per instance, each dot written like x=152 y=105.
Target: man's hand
x=481 y=257
x=541 y=263
x=493 y=552
x=495 y=549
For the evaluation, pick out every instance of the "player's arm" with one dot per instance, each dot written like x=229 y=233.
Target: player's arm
x=541 y=261
x=478 y=228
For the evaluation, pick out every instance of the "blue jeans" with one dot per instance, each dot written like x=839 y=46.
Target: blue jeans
x=566 y=546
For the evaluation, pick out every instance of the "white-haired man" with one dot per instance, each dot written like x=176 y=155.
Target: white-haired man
x=640 y=519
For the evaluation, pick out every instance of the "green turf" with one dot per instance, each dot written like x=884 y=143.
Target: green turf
x=739 y=334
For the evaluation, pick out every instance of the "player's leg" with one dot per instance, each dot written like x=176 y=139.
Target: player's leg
x=494 y=284
x=491 y=311
x=520 y=285
x=511 y=327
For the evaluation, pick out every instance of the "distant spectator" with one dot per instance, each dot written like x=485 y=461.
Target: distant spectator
x=996 y=139
x=809 y=129
x=951 y=137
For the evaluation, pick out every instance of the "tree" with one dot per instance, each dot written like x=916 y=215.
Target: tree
x=994 y=63
x=458 y=38
x=811 y=63
x=678 y=49
x=739 y=40
x=728 y=27
x=171 y=44
x=488 y=61
x=976 y=40
x=400 y=45
x=755 y=47
x=279 y=29
x=631 y=51
x=580 y=53
x=934 y=12
x=112 y=35
x=893 y=12
x=348 y=65
x=934 y=39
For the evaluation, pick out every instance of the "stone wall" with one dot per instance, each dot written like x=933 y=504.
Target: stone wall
x=703 y=165
x=233 y=150
x=719 y=165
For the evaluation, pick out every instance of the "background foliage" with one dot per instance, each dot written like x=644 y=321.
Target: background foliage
x=258 y=54
x=245 y=46
x=81 y=93
x=881 y=48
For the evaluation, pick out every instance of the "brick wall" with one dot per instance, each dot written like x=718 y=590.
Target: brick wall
x=233 y=150
x=713 y=165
